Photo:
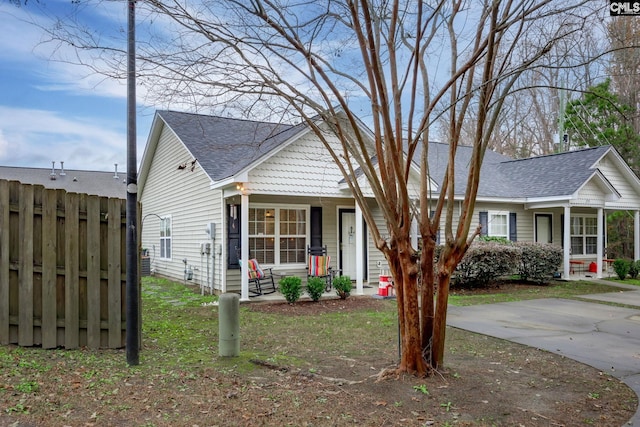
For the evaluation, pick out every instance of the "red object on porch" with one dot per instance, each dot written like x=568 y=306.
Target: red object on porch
x=593 y=268
x=384 y=282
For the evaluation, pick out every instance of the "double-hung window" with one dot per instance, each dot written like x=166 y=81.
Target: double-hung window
x=165 y=237
x=584 y=235
x=498 y=223
x=278 y=235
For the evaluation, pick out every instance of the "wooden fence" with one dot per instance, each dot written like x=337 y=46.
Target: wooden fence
x=62 y=268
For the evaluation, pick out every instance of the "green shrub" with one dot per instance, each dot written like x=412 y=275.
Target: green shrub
x=538 y=261
x=342 y=285
x=291 y=288
x=495 y=239
x=315 y=287
x=621 y=267
x=486 y=261
x=634 y=269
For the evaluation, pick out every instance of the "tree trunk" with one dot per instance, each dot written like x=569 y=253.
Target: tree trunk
x=427 y=287
x=404 y=269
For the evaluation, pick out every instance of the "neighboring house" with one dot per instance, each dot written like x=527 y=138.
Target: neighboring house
x=215 y=190
x=105 y=184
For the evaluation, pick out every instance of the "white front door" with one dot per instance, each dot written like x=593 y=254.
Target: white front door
x=348 y=244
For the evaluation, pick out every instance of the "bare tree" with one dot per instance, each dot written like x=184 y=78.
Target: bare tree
x=624 y=37
x=401 y=66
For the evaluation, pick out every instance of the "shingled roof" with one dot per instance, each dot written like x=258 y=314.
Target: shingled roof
x=552 y=175
x=225 y=146
x=74 y=181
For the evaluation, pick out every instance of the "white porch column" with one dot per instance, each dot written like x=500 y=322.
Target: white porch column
x=566 y=242
x=414 y=233
x=359 y=252
x=636 y=235
x=244 y=247
x=600 y=243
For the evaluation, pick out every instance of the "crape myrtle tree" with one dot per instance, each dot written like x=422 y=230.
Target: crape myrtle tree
x=399 y=66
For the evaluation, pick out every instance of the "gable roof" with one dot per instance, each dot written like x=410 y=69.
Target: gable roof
x=94 y=183
x=226 y=146
x=552 y=175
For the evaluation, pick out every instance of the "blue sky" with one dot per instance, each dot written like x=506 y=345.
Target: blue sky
x=55 y=111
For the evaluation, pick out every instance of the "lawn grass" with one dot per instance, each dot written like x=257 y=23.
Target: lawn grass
x=569 y=290
x=627 y=281
x=181 y=378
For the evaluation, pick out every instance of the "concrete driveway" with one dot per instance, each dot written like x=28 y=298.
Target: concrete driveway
x=599 y=335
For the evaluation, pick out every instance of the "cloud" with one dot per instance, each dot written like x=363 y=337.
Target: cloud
x=56 y=64
x=4 y=145
x=31 y=137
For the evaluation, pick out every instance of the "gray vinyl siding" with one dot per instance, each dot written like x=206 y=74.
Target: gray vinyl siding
x=303 y=168
x=629 y=197
x=589 y=195
x=186 y=196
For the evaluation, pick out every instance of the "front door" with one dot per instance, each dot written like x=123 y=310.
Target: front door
x=348 y=242
x=544 y=230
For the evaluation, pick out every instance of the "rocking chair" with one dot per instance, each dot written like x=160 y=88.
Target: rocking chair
x=319 y=265
x=261 y=280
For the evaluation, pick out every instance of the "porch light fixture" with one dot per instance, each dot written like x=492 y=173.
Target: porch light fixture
x=239 y=186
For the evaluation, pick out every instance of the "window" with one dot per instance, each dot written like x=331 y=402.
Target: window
x=498 y=224
x=584 y=235
x=278 y=235
x=165 y=237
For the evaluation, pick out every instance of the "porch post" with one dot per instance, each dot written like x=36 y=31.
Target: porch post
x=359 y=252
x=600 y=243
x=566 y=242
x=244 y=247
x=414 y=233
x=636 y=235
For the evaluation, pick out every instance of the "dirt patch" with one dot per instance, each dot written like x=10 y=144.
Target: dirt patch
x=487 y=381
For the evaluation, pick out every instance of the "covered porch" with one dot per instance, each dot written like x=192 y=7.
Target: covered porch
x=278 y=230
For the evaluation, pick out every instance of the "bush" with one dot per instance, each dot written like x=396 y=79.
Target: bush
x=315 y=287
x=538 y=261
x=495 y=239
x=291 y=288
x=634 y=269
x=621 y=267
x=486 y=261
x=342 y=285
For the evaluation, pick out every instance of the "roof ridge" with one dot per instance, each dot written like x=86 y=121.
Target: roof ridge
x=557 y=154
x=57 y=168
x=211 y=116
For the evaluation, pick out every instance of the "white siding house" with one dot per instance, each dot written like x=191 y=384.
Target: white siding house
x=268 y=191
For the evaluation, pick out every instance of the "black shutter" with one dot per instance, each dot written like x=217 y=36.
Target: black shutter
x=484 y=223
x=562 y=230
x=233 y=237
x=316 y=226
x=513 y=227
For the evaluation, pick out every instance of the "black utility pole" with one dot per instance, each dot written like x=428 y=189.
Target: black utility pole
x=133 y=296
